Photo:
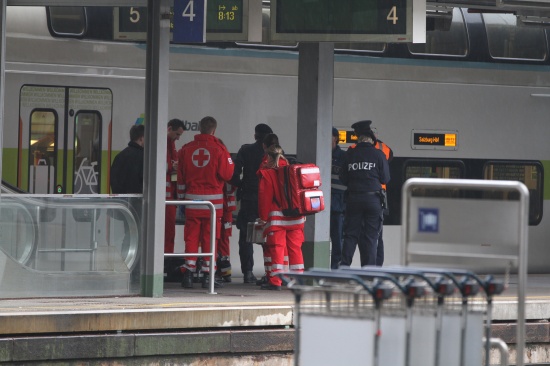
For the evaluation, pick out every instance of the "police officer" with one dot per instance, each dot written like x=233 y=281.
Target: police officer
x=365 y=170
x=337 y=204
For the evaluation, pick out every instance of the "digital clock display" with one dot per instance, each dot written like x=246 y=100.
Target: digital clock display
x=224 y=16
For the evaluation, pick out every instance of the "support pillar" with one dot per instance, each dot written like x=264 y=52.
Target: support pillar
x=156 y=112
x=315 y=104
x=3 y=6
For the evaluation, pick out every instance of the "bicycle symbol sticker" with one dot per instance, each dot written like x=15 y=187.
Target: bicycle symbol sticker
x=86 y=181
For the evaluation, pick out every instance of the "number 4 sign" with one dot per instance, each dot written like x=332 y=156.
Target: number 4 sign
x=189 y=21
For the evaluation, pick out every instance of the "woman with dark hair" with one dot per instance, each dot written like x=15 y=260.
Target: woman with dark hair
x=281 y=232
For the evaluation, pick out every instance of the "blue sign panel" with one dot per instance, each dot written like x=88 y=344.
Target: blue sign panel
x=189 y=21
x=428 y=220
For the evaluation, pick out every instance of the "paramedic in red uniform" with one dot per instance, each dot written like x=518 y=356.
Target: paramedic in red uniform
x=175 y=130
x=270 y=140
x=280 y=231
x=204 y=167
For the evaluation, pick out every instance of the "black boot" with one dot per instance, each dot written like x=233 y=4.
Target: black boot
x=249 y=277
x=206 y=281
x=262 y=281
x=187 y=281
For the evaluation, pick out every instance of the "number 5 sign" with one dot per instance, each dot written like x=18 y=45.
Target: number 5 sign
x=189 y=21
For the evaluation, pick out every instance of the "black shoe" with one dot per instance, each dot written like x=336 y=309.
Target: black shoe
x=249 y=277
x=206 y=281
x=221 y=278
x=270 y=286
x=262 y=281
x=187 y=281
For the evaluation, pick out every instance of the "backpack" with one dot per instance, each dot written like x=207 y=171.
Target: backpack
x=299 y=185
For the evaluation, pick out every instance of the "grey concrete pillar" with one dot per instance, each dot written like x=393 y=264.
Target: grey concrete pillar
x=156 y=112
x=3 y=5
x=315 y=104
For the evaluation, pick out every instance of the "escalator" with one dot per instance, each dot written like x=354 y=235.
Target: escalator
x=68 y=245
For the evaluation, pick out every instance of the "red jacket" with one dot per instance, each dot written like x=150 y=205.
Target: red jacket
x=269 y=209
x=171 y=155
x=203 y=168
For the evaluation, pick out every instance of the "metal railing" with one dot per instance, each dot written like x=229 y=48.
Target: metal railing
x=212 y=253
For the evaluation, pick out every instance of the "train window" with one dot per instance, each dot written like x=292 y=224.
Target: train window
x=87 y=152
x=451 y=42
x=42 y=137
x=67 y=21
x=529 y=173
x=419 y=168
x=42 y=150
x=508 y=41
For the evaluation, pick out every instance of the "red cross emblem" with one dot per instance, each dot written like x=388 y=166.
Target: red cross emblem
x=201 y=157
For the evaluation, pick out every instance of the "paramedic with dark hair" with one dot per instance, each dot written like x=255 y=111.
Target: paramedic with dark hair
x=280 y=231
x=364 y=171
x=270 y=140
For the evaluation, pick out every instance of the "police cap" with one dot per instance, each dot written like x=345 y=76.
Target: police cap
x=362 y=128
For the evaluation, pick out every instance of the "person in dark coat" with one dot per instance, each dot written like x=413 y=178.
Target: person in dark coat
x=364 y=171
x=127 y=167
x=247 y=162
x=337 y=204
x=127 y=178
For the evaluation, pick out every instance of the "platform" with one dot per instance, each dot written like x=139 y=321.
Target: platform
x=239 y=319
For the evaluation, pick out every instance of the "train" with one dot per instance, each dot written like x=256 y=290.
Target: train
x=472 y=102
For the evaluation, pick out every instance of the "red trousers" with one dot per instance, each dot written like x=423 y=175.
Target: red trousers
x=223 y=241
x=267 y=259
x=197 y=233
x=277 y=241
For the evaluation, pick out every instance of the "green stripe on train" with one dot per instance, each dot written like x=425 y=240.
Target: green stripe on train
x=546 y=166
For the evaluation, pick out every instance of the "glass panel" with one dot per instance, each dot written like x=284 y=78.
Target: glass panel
x=67 y=20
x=529 y=174
x=59 y=246
x=87 y=152
x=508 y=41
x=42 y=151
x=452 y=42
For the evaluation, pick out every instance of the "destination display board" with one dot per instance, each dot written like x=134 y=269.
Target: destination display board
x=226 y=20
x=434 y=140
x=342 y=20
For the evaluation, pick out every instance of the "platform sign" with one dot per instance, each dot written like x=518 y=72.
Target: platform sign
x=189 y=21
x=226 y=20
x=434 y=140
x=342 y=20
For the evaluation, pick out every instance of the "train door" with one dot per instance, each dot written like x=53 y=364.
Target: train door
x=61 y=137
